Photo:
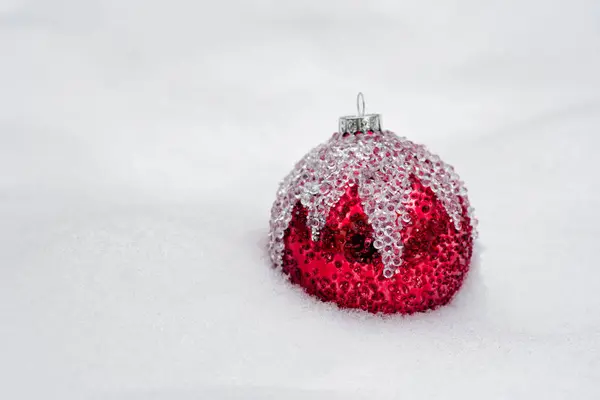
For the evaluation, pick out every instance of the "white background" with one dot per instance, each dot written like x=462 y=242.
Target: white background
x=141 y=144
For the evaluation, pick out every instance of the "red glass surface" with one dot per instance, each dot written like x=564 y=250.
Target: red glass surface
x=344 y=267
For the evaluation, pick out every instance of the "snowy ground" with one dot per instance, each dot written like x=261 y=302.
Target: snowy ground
x=141 y=143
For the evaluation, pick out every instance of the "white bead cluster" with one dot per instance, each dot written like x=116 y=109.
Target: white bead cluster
x=381 y=164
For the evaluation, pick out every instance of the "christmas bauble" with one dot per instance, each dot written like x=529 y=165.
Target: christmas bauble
x=371 y=220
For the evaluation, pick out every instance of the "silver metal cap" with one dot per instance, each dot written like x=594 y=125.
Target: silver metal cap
x=361 y=122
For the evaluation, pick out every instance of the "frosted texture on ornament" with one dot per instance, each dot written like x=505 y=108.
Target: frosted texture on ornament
x=381 y=164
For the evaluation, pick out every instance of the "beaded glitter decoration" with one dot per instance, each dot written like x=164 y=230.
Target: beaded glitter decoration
x=358 y=203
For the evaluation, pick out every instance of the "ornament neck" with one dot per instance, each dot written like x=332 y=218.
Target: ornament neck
x=361 y=122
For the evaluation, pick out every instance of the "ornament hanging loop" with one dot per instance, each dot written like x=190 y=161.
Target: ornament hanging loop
x=360 y=104
x=361 y=122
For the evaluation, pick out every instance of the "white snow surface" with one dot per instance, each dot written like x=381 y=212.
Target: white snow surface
x=141 y=145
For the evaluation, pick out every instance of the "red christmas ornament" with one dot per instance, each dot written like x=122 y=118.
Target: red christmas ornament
x=373 y=221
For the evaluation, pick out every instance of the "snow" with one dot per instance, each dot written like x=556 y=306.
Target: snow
x=141 y=144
